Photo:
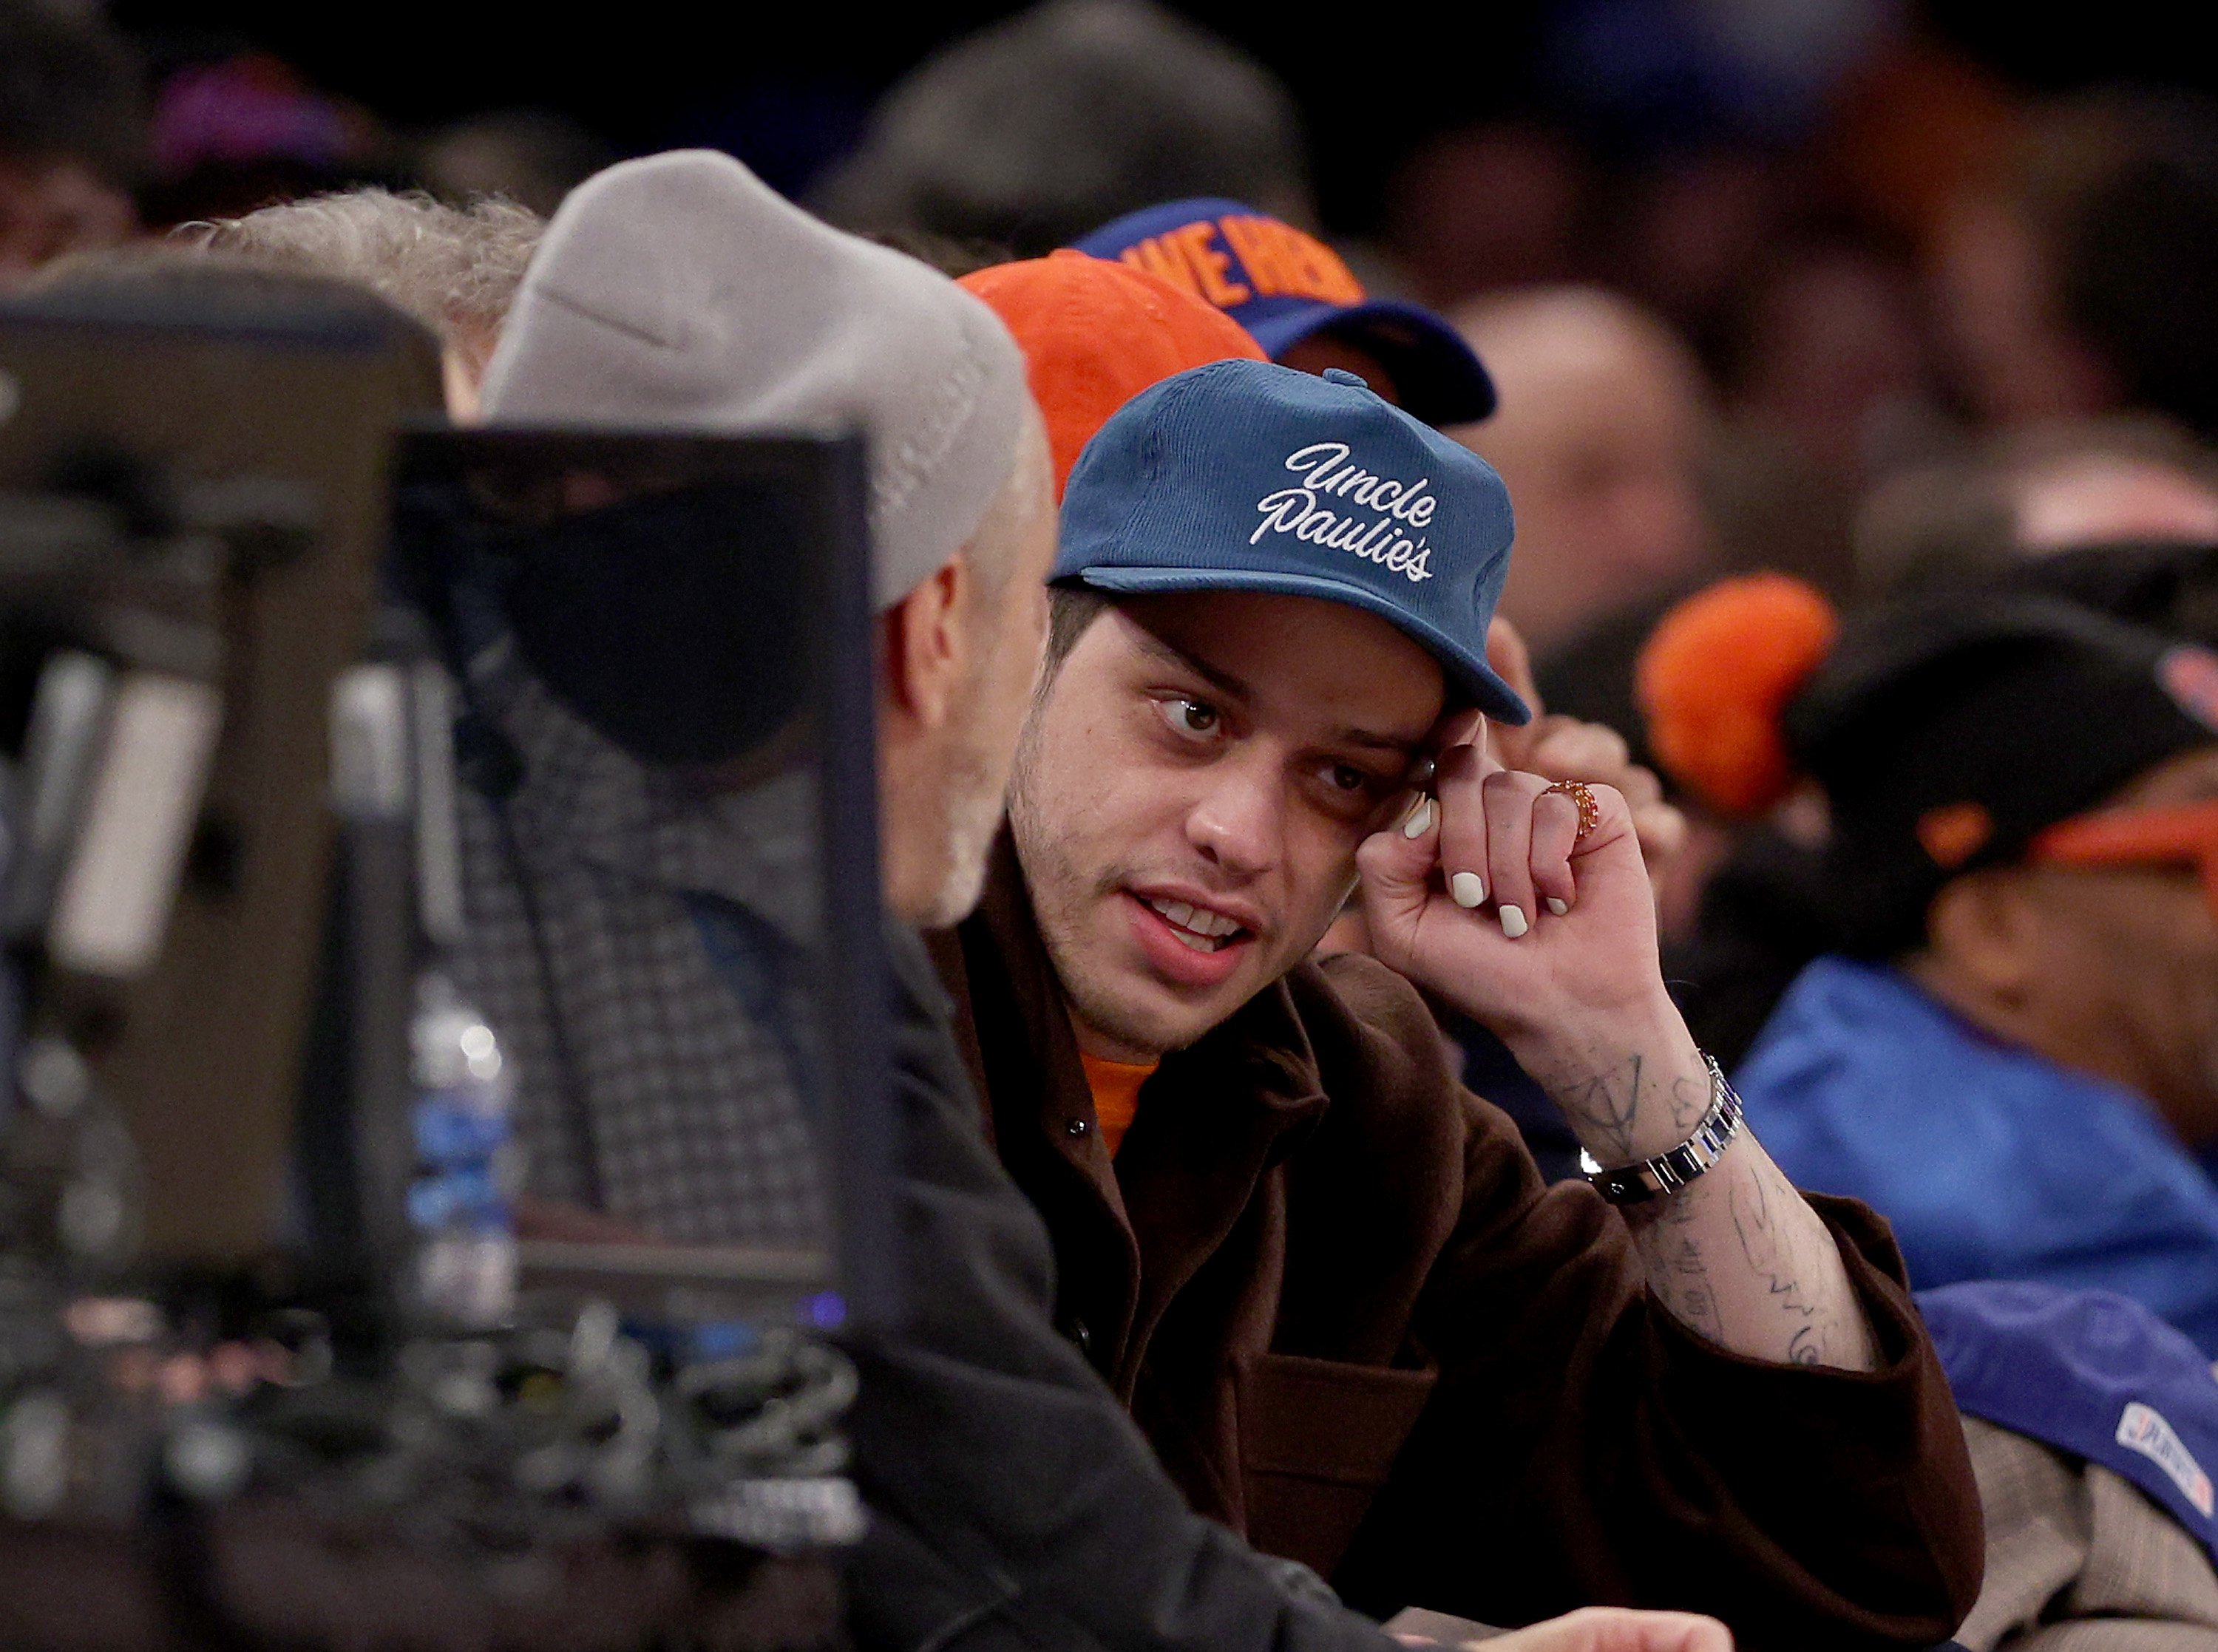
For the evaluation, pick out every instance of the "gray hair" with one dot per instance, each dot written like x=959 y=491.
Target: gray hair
x=455 y=268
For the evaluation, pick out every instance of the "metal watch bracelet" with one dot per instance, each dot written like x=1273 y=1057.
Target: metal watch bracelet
x=1652 y=1179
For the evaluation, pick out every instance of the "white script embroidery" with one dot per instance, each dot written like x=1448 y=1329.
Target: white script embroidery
x=1382 y=532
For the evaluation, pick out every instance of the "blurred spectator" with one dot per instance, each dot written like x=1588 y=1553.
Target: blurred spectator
x=1831 y=358
x=1033 y=131
x=2118 y=514
x=1682 y=231
x=1299 y=300
x=454 y=269
x=2086 y=278
x=1828 y=382
x=247 y=130
x=1487 y=207
x=531 y=156
x=72 y=131
x=1599 y=438
x=2080 y=482
x=1910 y=131
x=2009 y=1044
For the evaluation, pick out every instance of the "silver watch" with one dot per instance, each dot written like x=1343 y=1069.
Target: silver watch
x=1651 y=1178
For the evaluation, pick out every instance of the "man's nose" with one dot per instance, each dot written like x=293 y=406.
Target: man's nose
x=1239 y=820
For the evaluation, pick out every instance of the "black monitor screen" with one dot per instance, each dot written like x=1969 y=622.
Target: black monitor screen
x=666 y=840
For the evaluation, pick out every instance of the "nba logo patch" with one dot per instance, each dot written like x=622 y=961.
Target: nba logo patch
x=2189 y=676
x=2144 y=1429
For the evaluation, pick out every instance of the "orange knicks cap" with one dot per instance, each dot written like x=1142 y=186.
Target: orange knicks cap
x=1095 y=334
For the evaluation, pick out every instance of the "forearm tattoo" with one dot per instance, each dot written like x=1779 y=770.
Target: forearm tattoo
x=1607 y=1105
x=1678 y=1275
x=1738 y=1256
x=1773 y=1243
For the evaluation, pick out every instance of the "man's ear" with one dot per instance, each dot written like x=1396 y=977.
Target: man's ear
x=1985 y=928
x=925 y=646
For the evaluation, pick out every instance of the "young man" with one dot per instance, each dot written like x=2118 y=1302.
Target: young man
x=1012 y=1501
x=1326 y=1279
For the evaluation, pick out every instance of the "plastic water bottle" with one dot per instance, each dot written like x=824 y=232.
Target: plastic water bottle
x=460 y=1203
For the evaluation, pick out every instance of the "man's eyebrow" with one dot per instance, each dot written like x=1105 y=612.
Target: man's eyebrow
x=1223 y=681
x=1374 y=742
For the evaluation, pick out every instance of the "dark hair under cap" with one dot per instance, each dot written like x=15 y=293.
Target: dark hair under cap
x=1948 y=732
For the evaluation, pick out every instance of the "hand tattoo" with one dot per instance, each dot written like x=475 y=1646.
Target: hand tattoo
x=1690 y=1102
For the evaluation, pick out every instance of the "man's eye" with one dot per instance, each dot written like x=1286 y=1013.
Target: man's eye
x=1189 y=716
x=1348 y=778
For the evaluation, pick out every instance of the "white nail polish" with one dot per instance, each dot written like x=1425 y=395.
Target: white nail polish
x=1468 y=889
x=1513 y=922
x=1421 y=820
x=1559 y=907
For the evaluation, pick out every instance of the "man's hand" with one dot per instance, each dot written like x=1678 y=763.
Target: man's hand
x=1616 y=1628
x=1596 y=1628
x=1486 y=894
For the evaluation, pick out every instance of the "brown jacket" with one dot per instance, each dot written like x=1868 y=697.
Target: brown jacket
x=1358 y=1328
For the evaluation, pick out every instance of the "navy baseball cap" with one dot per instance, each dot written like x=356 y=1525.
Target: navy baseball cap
x=1247 y=476
x=1284 y=285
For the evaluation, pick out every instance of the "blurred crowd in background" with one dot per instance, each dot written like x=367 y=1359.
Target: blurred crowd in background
x=1836 y=289
x=1745 y=273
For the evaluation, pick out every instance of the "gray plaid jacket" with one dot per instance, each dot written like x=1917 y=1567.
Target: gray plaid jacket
x=645 y=1088
x=2078 y=1560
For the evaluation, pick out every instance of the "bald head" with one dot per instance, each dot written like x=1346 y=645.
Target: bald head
x=1599 y=437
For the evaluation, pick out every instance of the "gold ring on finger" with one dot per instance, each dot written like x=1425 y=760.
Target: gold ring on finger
x=1583 y=801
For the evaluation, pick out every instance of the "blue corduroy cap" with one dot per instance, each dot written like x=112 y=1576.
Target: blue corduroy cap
x=1245 y=476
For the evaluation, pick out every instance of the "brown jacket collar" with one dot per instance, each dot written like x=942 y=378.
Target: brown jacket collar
x=1213 y=1118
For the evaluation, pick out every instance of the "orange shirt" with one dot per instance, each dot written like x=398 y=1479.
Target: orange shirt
x=1116 y=1087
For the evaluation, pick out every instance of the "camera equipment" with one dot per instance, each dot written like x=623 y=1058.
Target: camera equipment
x=702 y=602
x=257 y=1259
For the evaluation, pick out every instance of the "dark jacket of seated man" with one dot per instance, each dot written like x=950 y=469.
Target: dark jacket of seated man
x=1358 y=1329
x=1012 y=1504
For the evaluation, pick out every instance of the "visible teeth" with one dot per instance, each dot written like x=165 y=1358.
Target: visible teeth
x=1200 y=920
x=1198 y=943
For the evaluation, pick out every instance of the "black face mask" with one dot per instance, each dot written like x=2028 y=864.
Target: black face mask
x=672 y=623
